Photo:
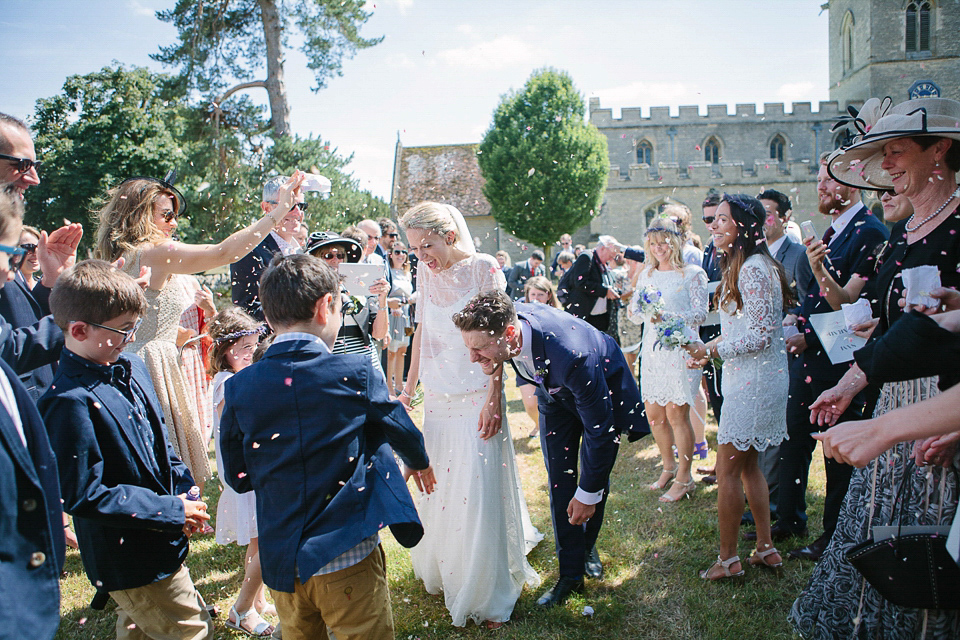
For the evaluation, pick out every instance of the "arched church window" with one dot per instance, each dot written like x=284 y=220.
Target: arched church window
x=645 y=153
x=917 y=33
x=777 y=147
x=711 y=150
x=846 y=41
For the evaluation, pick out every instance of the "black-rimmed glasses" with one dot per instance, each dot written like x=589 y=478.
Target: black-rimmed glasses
x=127 y=335
x=29 y=247
x=296 y=205
x=23 y=164
x=399 y=252
x=709 y=219
x=17 y=255
x=330 y=255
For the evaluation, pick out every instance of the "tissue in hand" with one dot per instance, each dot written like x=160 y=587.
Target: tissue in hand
x=918 y=282
x=856 y=313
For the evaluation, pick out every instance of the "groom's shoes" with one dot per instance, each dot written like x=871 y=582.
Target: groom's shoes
x=592 y=566
x=561 y=591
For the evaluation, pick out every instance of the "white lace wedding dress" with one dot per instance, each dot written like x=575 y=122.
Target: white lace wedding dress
x=755 y=377
x=664 y=376
x=477 y=530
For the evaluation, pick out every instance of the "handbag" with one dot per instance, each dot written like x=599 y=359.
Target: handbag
x=913 y=568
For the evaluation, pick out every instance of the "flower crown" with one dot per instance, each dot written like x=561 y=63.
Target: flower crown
x=260 y=330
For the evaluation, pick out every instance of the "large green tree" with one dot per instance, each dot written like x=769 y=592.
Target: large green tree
x=230 y=45
x=545 y=167
x=119 y=122
x=103 y=127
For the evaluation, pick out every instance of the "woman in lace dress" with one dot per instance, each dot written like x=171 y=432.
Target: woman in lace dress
x=667 y=386
x=477 y=531
x=138 y=224
x=751 y=302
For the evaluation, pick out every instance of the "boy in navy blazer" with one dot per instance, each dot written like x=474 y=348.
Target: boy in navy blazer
x=31 y=529
x=311 y=433
x=587 y=398
x=119 y=475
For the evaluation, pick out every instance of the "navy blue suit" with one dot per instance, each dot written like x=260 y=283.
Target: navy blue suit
x=31 y=523
x=582 y=285
x=22 y=308
x=587 y=398
x=119 y=475
x=859 y=237
x=312 y=432
x=245 y=276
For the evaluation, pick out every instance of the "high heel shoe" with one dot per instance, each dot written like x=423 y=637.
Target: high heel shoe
x=701 y=450
x=758 y=559
x=725 y=565
x=688 y=488
x=671 y=474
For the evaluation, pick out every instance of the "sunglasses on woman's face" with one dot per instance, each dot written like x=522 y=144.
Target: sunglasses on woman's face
x=170 y=216
x=330 y=255
x=29 y=247
x=399 y=252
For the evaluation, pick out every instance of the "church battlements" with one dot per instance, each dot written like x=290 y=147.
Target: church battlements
x=715 y=113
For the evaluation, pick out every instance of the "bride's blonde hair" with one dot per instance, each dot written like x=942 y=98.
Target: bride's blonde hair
x=430 y=216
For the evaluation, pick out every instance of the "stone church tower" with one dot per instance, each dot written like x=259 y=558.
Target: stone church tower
x=898 y=48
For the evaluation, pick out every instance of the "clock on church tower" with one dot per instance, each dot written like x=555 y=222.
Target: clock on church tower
x=923 y=89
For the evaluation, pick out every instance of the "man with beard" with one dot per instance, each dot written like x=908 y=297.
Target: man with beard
x=853 y=232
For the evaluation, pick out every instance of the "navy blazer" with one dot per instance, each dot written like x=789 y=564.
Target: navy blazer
x=311 y=432
x=860 y=237
x=584 y=369
x=793 y=257
x=22 y=307
x=245 y=276
x=583 y=285
x=31 y=523
x=119 y=476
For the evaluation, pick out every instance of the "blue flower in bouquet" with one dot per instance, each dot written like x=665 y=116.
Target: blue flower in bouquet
x=672 y=332
x=647 y=302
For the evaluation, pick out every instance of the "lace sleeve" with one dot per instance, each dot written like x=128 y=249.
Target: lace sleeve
x=633 y=308
x=695 y=280
x=760 y=313
x=488 y=274
x=421 y=293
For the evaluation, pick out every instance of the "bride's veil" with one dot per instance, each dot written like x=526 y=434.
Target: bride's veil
x=464 y=239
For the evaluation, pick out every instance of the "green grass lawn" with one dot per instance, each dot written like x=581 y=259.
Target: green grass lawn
x=651 y=552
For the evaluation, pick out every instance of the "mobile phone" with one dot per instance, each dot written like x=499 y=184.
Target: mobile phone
x=809 y=231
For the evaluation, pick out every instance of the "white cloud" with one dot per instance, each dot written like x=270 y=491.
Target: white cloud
x=139 y=9
x=796 y=91
x=647 y=94
x=499 y=53
x=401 y=5
x=465 y=29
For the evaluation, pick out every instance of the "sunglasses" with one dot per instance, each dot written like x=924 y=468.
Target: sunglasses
x=170 y=216
x=709 y=219
x=23 y=164
x=127 y=335
x=29 y=247
x=330 y=255
x=16 y=254
x=393 y=235
x=297 y=205
x=399 y=252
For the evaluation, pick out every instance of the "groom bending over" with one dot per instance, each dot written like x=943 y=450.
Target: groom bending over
x=586 y=397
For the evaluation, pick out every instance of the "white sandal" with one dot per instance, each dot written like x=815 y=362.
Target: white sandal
x=263 y=629
x=761 y=558
x=725 y=565
x=656 y=486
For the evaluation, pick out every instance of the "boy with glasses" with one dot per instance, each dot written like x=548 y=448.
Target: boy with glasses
x=119 y=475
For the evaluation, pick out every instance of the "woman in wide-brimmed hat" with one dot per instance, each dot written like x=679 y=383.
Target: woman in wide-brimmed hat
x=914 y=149
x=364 y=320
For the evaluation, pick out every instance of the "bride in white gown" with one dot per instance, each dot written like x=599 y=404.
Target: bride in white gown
x=477 y=528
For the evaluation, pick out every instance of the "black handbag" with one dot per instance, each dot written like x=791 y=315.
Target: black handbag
x=910 y=570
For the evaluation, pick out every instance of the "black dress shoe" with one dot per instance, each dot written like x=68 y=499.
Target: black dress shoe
x=812 y=551
x=778 y=533
x=561 y=591
x=592 y=565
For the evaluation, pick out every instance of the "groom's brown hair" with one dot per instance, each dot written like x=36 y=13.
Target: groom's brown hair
x=489 y=311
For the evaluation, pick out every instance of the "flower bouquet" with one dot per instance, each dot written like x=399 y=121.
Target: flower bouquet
x=672 y=332
x=647 y=302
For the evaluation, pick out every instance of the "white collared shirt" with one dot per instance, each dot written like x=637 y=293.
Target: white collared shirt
x=843 y=220
x=286 y=248
x=301 y=335
x=773 y=248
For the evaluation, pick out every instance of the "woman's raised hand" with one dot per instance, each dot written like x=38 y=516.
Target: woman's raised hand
x=289 y=191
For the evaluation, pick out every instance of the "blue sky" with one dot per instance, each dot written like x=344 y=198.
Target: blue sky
x=443 y=65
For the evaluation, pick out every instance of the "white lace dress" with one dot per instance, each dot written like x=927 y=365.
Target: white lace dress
x=664 y=376
x=236 y=512
x=477 y=530
x=755 y=378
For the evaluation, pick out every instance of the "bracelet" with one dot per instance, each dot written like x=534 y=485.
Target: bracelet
x=403 y=392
